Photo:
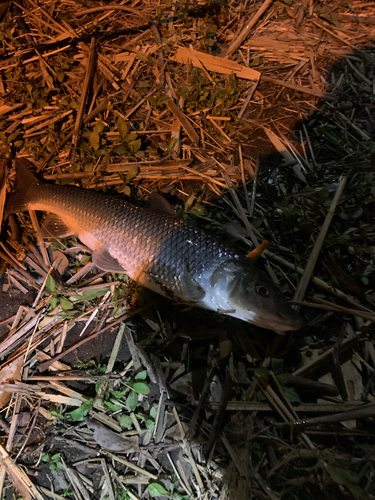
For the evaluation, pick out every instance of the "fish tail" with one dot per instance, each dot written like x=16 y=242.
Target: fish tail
x=18 y=200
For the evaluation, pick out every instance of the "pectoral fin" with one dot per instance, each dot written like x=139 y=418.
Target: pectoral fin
x=54 y=227
x=193 y=290
x=160 y=204
x=104 y=260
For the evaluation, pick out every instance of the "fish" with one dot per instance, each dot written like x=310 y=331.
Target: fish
x=156 y=248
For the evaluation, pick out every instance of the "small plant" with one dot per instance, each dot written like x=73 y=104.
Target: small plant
x=282 y=377
x=79 y=414
x=58 y=412
x=127 y=400
x=210 y=40
x=158 y=490
x=53 y=461
x=130 y=143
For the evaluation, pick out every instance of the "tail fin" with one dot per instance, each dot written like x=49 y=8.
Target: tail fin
x=17 y=201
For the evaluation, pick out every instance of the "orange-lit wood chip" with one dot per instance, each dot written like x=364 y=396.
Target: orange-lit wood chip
x=254 y=254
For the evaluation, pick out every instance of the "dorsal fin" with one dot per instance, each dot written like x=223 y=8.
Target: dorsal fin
x=160 y=204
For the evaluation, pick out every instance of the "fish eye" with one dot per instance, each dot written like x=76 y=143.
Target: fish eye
x=262 y=290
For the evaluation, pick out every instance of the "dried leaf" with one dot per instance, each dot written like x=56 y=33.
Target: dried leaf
x=110 y=440
x=10 y=373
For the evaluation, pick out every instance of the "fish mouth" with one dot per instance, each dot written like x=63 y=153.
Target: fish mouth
x=280 y=325
x=272 y=321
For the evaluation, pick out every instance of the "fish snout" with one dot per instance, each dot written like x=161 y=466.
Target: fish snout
x=290 y=320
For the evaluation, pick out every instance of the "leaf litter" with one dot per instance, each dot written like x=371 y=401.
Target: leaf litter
x=256 y=121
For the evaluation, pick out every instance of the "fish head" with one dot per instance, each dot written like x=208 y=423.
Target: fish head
x=241 y=290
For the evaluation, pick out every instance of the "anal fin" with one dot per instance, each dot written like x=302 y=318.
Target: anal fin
x=104 y=260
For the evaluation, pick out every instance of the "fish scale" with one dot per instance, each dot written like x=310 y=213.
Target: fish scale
x=157 y=249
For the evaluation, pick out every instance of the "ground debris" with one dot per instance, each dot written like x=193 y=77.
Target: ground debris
x=255 y=120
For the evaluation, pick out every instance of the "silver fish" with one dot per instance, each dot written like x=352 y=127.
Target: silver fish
x=157 y=249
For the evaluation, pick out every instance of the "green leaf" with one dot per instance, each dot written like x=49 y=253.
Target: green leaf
x=343 y=477
x=365 y=280
x=134 y=145
x=198 y=209
x=358 y=213
x=85 y=259
x=112 y=406
x=45 y=457
x=189 y=201
x=255 y=62
x=53 y=302
x=130 y=137
x=133 y=172
x=120 y=150
x=78 y=414
x=94 y=141
x=12 y=137
x=127 y=191
x=339 y=475
x=89 y=295
x=144 y=84
x=260 y=396
x=99 y=126
x=65 y=304
x=161 y=99
x=56 y=457
x=291 y=395
x=55 y=414
x=263 y=372
x=50 y=284
x=94 y=294
x=125 y=421
x=142 y=57
x=94 y=138
x=141 y=375
x=282 y=378
x=132 y=401
x=122 y=127
x=60 y=75
x=277 y=365
x=150 y=424
x=153 y=412
x=118 y=394
x=157 y=490
x=141 y=388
